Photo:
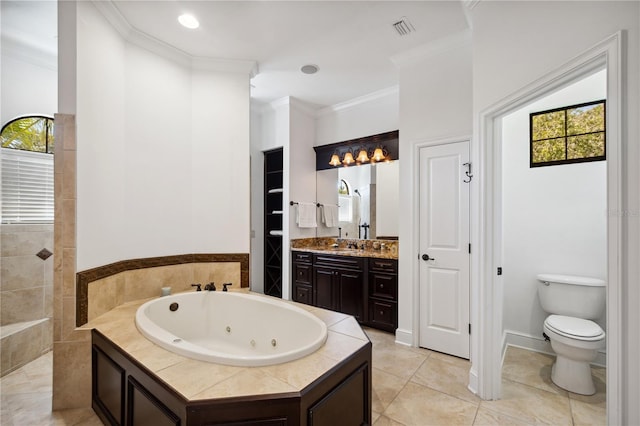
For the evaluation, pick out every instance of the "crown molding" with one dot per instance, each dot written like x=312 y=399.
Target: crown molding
x=433 y=48
x=303 y=107
x=19 y=48
x=134 y=36
x=355 y=102
x=470 y=4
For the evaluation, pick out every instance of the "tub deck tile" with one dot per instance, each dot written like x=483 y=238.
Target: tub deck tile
x=197 y=380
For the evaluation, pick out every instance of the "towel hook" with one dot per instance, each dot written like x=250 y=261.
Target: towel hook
x=468 y=172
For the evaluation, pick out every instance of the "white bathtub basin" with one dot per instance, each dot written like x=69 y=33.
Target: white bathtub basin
x=231 y=328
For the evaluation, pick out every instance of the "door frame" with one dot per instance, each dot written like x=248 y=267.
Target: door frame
x=415 y=243
x=487 y=289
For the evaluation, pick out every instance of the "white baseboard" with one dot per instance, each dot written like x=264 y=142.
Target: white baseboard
x=404 y=337
x=538 y=344
x=473 y=381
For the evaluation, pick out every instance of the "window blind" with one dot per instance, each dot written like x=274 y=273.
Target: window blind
x=27 y=186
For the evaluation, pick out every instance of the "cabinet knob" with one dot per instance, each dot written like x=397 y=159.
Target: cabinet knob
x=381 y=313
x=381 y=285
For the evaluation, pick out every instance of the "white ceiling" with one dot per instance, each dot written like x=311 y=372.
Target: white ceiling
x=350 y=41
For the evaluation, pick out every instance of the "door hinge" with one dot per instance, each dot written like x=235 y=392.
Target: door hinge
x=469 y=248
x=469 y=328
x=499 y=270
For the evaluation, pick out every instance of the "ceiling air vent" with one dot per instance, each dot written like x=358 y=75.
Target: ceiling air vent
x=404 y=26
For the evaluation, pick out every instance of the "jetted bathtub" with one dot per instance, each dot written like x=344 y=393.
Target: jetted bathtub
x=231 y=328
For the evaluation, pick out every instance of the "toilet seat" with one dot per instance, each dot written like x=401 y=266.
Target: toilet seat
x=574 y=328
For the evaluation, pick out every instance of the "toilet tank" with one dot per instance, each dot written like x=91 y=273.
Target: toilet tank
x=581 y=297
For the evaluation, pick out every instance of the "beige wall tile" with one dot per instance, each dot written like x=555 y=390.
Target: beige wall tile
x=69 y=142
x=102 y=296
x=21 y=272
x=145 y=283
x=69 y=166
x=71 y=375
x=22 y=305
x=5 y=355
x=68 y=316
x=25 y=241
x=68 y=272
x=48 y=302
x=27 y=345
x=218 y=272
x=68 y=233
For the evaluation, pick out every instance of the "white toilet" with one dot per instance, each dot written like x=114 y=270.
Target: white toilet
x=573 y=302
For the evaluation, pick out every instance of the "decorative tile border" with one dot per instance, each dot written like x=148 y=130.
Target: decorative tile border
x=84 y=278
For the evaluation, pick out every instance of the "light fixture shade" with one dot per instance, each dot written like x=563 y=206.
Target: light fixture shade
x=378 y=154
x=363 y=157
x=335 y=160
x=348 y=158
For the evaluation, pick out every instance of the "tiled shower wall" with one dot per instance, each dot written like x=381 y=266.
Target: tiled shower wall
x=26 y=293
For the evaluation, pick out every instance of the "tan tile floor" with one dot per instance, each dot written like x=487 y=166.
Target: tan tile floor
x=410 y=387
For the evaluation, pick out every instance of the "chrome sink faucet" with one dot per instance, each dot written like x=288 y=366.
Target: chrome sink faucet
x=210 y=287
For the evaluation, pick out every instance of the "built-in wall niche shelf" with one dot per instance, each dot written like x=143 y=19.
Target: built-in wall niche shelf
x=273 y=214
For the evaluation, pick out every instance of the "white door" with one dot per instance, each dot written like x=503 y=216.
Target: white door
x=444 y=248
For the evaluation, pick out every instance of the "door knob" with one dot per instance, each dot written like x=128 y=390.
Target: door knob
x=426 y=257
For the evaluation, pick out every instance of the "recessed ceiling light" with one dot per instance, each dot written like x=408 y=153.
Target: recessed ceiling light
x=309 y=69
x=188 y=21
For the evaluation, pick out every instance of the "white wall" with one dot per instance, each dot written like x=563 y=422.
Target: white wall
x=510 y=51
x=435 y=104
x=28 y=71
x=364 y=116
x=554 y=218
x=100 y=132
x=27 y=89
x=163 y=152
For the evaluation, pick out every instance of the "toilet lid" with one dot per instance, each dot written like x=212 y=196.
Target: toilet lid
x=574 y=327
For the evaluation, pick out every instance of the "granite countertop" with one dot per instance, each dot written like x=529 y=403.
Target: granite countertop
x=380 y=249
x=185 y=375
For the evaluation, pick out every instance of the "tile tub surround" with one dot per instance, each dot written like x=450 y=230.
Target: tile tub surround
x=100 y=289
x=184 y=375
x=324 y=245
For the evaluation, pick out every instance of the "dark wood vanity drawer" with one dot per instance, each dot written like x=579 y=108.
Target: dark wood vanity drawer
x=383 y=314
x=302 y=273
x=339 y=261
x=301 y=256
x=383 y=286
x=383 y=265
x=303 y=294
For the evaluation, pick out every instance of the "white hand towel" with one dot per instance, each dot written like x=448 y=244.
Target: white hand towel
x=330 y=216
x=306 y=217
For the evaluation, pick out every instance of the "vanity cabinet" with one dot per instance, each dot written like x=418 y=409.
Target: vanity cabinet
x=366 y=288
x=383 y=294
x=302 y=273
x=339 y=284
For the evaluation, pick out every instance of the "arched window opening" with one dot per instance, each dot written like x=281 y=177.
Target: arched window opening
x=27 y=170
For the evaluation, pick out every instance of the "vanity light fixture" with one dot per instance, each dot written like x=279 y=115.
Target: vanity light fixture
x=188 y=21
x=378 y=155
x=335 y=159
x=348 y=158
x=363 y=156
